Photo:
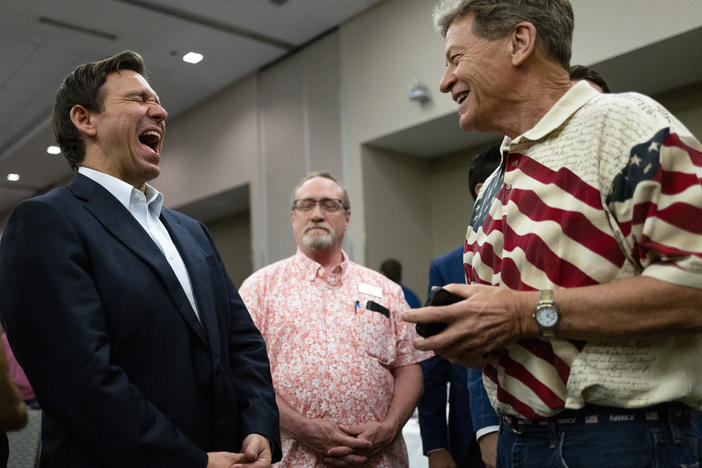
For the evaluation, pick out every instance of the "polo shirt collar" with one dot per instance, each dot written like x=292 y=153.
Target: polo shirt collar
x=311 y=269
x=576 y=97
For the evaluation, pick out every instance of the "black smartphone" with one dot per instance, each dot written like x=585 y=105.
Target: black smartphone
x=438 y=297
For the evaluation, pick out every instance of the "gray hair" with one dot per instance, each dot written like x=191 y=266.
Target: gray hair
x=325 y=175
x=494 y=19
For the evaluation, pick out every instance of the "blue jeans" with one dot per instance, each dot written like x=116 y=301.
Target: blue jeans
x=667 y=442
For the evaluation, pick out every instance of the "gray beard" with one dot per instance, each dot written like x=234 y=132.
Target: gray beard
x=317 y=242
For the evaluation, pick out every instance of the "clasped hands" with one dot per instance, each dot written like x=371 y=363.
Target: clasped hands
x=347 y=444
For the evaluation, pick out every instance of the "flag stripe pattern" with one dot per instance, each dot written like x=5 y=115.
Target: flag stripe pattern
x=580 y=200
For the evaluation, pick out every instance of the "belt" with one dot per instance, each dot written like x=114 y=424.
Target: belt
x=599 y=415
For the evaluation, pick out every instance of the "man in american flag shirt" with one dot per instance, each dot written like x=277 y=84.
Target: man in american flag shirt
x=584 y=258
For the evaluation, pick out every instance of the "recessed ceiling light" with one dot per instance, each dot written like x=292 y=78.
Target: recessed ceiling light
x=53 y=150
x=13 y=177
x=192 y=57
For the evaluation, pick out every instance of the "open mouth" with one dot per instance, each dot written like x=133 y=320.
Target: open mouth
x=460 y=97
x=150 y=138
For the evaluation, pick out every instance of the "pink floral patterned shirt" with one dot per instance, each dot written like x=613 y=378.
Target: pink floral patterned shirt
x=331 y=356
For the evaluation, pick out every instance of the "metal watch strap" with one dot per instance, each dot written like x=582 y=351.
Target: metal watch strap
x=546 y=296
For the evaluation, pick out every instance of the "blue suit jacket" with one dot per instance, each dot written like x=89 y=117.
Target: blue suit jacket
x=411 y=297
x=459 y=436
x=125 y=372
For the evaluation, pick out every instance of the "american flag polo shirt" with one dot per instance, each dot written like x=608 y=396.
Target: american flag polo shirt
x=604 y=187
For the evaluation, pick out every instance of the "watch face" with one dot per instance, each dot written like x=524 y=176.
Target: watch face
x=547 y=317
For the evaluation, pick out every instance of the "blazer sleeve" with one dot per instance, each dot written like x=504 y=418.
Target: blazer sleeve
x=481 y=410
x=54 y=320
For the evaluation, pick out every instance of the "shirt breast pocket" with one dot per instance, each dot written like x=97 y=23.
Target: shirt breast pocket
x=376 y=335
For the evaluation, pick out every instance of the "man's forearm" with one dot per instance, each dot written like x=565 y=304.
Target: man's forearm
x=637 y=307
x=291 y=421
x=407 y=389
x=494 y=317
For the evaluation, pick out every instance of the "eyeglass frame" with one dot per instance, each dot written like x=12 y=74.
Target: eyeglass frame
x=320 y=203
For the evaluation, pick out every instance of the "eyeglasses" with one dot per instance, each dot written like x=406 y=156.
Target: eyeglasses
x=327 y=204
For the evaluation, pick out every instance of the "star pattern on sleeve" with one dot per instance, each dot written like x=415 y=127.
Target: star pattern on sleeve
x=643 y=165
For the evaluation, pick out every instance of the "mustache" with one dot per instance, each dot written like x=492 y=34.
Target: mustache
x=324 y=226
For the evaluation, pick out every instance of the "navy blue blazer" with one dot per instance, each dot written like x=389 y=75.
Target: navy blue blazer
x=459 y=436
x=411 y=297
x=125 y=373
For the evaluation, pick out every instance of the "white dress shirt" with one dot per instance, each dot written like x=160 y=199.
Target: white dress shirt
x=146 y=209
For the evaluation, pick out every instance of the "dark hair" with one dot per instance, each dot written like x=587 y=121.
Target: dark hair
x=581 y=72
x=392 y=269
x=83 y=87
x=482 y=165
x=324 y=175
x=494 y=19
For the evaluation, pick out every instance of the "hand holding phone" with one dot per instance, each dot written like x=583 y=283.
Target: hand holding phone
x=438 y=297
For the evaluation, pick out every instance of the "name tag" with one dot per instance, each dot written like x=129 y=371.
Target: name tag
x=368 y=289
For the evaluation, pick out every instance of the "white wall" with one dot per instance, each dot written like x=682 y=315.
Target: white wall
x=398 y=214
x=300 y=131
x=232 y=235
x=450 y=199
x=381 y=51
x=213 y=146
x=606 y=28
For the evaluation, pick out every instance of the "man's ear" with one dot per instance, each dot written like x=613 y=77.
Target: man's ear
x=82 y=118
x=523 y=42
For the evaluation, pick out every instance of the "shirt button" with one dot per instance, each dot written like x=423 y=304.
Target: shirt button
x=508 y=187
x=515 y=163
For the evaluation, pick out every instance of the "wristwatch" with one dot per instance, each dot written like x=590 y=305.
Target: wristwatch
x=547 y=315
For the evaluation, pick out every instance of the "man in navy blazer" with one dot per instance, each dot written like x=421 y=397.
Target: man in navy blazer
x=138 y=346
x=471 y=415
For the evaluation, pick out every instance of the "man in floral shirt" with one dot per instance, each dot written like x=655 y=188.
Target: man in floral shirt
x=344 y=369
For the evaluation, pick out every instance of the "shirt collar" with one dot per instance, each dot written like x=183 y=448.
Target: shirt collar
x=576 y=97
x=311 y=269
x=123 y=191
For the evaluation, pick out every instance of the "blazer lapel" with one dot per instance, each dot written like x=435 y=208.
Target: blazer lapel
x=199 y=271
x=122 y=225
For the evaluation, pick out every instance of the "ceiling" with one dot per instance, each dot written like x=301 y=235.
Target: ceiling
x=41 y=41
